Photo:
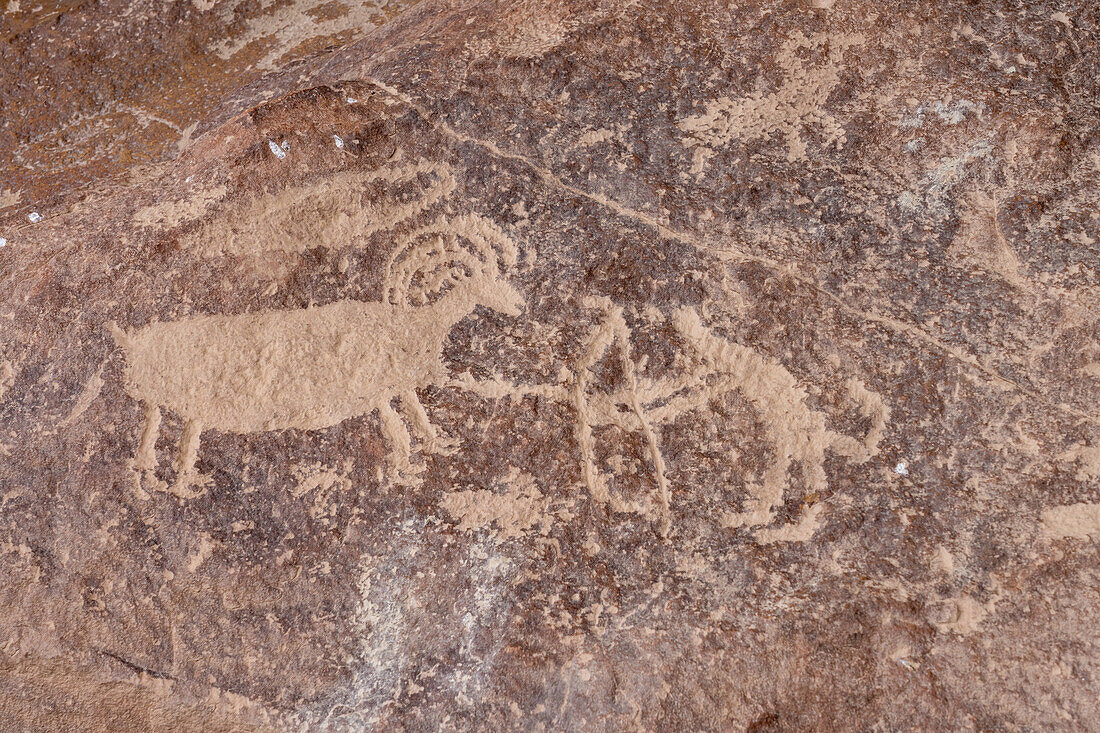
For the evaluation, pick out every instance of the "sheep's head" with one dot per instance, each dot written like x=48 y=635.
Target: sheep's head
x=461 y=257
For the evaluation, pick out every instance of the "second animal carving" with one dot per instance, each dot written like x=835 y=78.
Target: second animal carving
x=315 y=367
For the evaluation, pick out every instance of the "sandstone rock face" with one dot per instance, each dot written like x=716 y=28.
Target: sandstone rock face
x=550 y=366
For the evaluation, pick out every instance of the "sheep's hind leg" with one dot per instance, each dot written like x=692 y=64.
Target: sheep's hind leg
x=400 y=443
x=145 y=460
x=422 y=426
x=185 y=461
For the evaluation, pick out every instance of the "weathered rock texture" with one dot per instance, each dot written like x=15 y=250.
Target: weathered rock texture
x=550 y=366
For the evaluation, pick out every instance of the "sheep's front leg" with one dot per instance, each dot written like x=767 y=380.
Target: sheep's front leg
x=422 y=426
x=146 y=458
x=400 y=443
x=185 y=461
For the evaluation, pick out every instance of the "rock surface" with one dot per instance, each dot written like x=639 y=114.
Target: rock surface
x=550 y=366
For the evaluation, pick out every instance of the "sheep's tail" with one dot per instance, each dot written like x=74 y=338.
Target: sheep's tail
x=122 y=339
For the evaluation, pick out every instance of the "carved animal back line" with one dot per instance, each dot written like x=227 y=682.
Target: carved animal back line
x=329 y=213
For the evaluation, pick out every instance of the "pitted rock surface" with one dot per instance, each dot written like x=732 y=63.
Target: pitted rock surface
x=550 y=366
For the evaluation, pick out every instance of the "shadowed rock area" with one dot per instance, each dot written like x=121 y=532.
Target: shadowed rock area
x=549 y=366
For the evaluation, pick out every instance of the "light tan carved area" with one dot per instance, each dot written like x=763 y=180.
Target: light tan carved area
x=530 y=30
x=797 y=433
x=9 y=198
x=172 y=213
x=811 y=71
x=509 y=513
x=312 y=368
x=284 y=30
x=52 y=695
x=980 y=244
x=1078 y=521
x=332 y=213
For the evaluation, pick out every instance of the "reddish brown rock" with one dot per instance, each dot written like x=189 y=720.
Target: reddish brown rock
x=555 y=366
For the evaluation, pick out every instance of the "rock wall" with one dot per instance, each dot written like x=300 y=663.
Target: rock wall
x=549 y=366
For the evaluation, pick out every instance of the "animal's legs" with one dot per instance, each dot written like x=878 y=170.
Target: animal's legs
x=400 y=442
x=185 y=461
x=422 y=426
x=146 y=458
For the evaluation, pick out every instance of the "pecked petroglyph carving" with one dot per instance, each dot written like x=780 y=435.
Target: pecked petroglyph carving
x=315 y=367
x=332 y=213
x=797 y=433
x=797 y=103
x=614 y=331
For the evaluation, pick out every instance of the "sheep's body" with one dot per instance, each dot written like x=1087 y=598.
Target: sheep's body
x=308 y=369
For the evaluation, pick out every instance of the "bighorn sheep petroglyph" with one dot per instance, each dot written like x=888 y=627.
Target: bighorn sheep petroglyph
x=315 y=367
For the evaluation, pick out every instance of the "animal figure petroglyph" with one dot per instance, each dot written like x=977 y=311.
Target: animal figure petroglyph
x=333 y=212
x=797 y=433
x=315 y=367
x=799 y=102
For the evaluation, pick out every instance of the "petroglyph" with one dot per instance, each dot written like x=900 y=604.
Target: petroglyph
x=317 y=485
x=173 y=213
x=980 y=243
x=284 y=28
x=1078 y=521
x=613 y=331
x=798 y=102
x=1087 y=458
x=797 y=433
x=85 y=399
x=531 y=31
x=508 y=514
x=7 y=377
x=332 y=213
x=315 y=367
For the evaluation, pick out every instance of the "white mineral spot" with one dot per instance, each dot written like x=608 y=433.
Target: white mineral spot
x=34 y=217
x=339 y=141
x=3 y=242
x=279 y=152
x=902 y=469
x=352 y=100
